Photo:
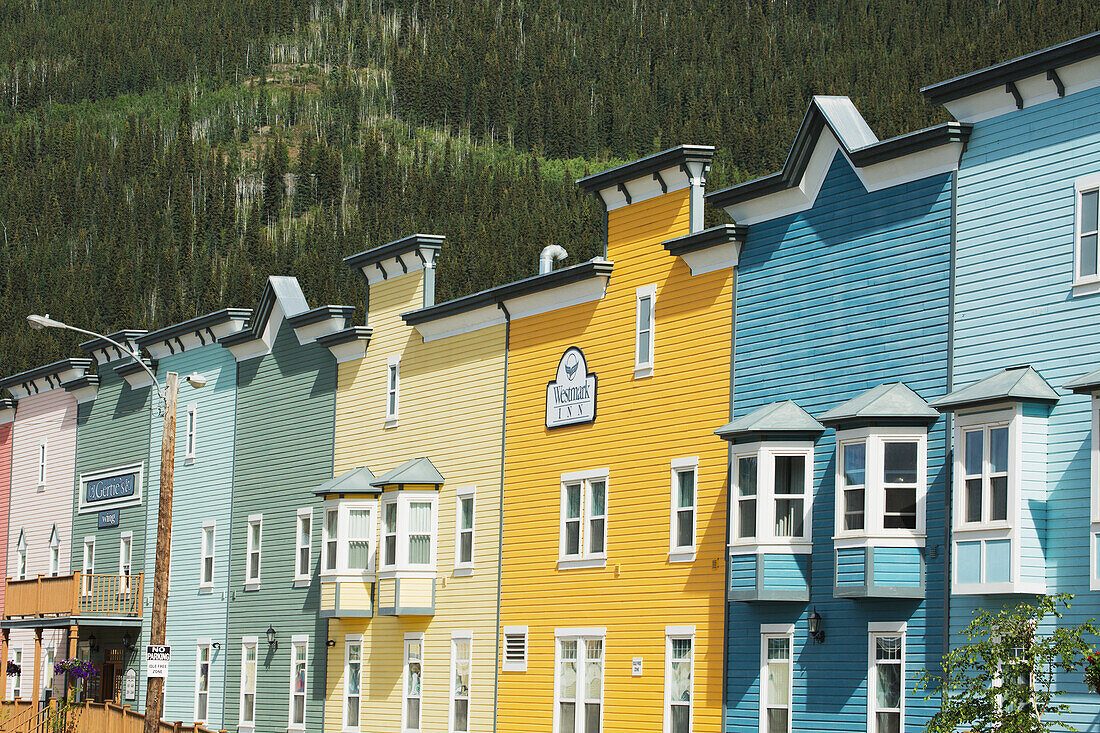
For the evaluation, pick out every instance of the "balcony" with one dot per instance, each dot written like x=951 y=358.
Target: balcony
x=65 y=596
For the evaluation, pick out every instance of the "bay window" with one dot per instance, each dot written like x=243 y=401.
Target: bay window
x=772 y=497
x=985 y=473
x=409 y=531
x=348 y=537
x=583 y=529
x=881 y=481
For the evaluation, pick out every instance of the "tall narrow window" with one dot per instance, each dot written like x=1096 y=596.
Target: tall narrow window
x=464 y=533
x=746 y=496
x=202 y=683
x=248 y=681
x=192 y=418
x=304 y=545
x=21 y=556
x=583 y=530
x=579 y=683
x=1088 y=224
x=855 y=483
x=17 y=686
x=332 y=537
x=298 y=649
x=460 y=684
x=776 y=679
x=125 y=553
x=359 y=533
x=679 y=676
x=597 y=516
x=900 y=483
x=206 y=569
x=683 y=507
x=414 y=646
x=643 y=331
x=985 y=474
x=389 y=534
x=88 y=566
x=252 y=549
x=420 y=533
x=790 y=488
x=571 y=537
x=55 y=553
x=353 y=668
x=888 y=681
x=42 y=464
x=393 y=389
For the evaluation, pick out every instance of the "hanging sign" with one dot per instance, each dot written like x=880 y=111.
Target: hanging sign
x=156 y=660
x=109 y=518
x=571 y=397
x=111 y=489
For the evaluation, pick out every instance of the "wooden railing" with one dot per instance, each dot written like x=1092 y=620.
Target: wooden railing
x=71 y=595
x=88 y=717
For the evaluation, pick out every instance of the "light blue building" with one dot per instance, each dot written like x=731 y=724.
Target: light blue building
x=838 y=465
x=201 y=506
x=1026 y=339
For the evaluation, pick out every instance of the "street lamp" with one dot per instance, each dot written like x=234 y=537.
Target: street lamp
x=154 y=690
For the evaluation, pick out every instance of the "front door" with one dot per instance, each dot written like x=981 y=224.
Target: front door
x=112 y=675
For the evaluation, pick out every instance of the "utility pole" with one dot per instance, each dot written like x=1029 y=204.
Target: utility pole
x=154 y=691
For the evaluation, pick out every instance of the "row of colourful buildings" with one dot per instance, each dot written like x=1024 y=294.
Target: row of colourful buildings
x=753 y=477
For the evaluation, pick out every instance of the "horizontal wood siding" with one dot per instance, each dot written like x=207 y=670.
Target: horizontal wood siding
x=1034 y=496
x=641 y=425
x=743 y=572
x=5 y=496
x=898 y=566
x=1015 y=306
x=851 y=567
x=833 y=301
x=786 y=572
x=282 y=452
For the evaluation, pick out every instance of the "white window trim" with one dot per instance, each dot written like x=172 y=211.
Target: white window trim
x=351 y=640
x=1094 y=581
x=465 y=568
x=873 y=632
x=683 y=553
x=585 y=559
x=404 y=499
x=55 y=552
x=774 y=631
x=21 y=556
x=208 y=585
x=766 y=453
x=678 y=632
x=874 y=491
x=343 y=509
x=1088 y=284
x=251 y=583
x=411 y=637
x=43 y=458
x=514 y=665
x=466 y=636
x=201 y=644
x=393 y=363
x=126 y=540
x=246 y=642
x=191 y=435
x=386 y=502
x=295 y=641
x=644 y=368
x=87 y=565
x=580 y=635
x=303 y=579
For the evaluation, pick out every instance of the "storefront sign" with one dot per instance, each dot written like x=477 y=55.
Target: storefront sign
x=109 y=518
x=118 y=487
x=571 y=397
x=156 y=660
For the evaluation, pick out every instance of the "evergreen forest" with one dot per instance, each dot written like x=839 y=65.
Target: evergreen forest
x=159 y=159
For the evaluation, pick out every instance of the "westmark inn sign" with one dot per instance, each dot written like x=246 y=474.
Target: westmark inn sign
x=571 y=397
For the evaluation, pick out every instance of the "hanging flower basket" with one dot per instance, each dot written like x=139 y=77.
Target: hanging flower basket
x=14 y=670
x=77 y=669
x=1092 y=673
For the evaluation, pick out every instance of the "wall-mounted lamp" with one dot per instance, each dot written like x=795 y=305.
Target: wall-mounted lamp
x=814 y=623
x=330 y=642
x=196 y=380
x=127 y=642
x=93 y=643
x=271 y=637
x=216 y=645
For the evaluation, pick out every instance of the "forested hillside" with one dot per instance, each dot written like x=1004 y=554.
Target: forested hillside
x=158 y=160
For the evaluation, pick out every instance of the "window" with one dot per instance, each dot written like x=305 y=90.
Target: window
x=515 y=649
x=682 y=530
x=583 y=518
x=899 y=481
x=389 y=534
x=679 y=676
x=42 y=464
x=460 y=682
x=790 y=490
x=192 y=415
x=353 y=675
x=414 y=659
x=55 y=553
x=420 y=533
x=775 y=677
x=464 y=530
x=882 y=480
x=298 y=661
x=303 y=545
x=202 y=682
x=125 y=547
x=206 y=568
x=88 y=566
x=643 y=330
x=579 y=681
x=252 y=550
x=21 y=556
x=332 y=537
x=853 y=479
x=349 y=537
x=746 y=496
x=393 y=389
x=360 y=531
x=17 y=684
x=772 y=496
x=888 y=680
x=1087 y=226
x=248 y=681
x=408 y=531
x=985 y=474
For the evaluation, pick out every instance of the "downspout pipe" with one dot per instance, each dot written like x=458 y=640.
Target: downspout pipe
x=548 y=256
x=500 y=502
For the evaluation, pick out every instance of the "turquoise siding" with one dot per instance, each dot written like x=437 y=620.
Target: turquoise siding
x=743 y=572
x=283 y=450
x=786 y=572
x=1033 y=485
x=831 y=302
x=202 y=493
x=897 y=566
x=851 y=566
x=1015 y=305
x=112 y=431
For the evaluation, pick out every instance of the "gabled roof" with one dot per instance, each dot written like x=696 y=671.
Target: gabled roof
x=1015 y=384
x=886 y=404
x=194 y=332
x=668 y=170
x=777 y=420
x=45 y=378
x=1085 y=384
x=860 y=145
x=415 y=471
x=353 y=481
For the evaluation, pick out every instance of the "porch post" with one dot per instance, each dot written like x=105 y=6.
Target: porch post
x=4 y=661
x=37 y=694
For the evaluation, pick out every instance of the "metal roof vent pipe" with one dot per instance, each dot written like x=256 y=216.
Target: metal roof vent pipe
x=547 y=257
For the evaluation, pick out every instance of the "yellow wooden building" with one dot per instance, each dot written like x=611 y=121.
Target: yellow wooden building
x=614 y=512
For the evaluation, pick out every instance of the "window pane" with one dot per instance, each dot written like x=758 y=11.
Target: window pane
x=686 y=495
x=353 y=712
x=685 y=529
x=901 y=509
x=1088 y=255
x=462 y=708
x=747 y=525
x=998 y=450
x=974 y=500
x=777 y=720
x=779 y=680
x=303 y=530
x=681 y=721
x=391 y=550
x=572 y=501
x=468 y=513
x=998 y=499
x=746 y=476
x=462 y=668
x=779 y=648
x=420 y=550
x=974 y=444
x=568 y=715
x=592 y=717
x=853 y=509
x=412 y=716
x=888 y=723
x=888 y=648
x=595 y=535
x=390 y=521
x=596 y=503
x=420 y=517
x=359 y=523
x=790 y=474
x=573 y=537
x=1089 y=211
x=254 y=530
x=643 y=347
x=888 y=686
x=855 y=464
x=788 y=518
x=466 y=549
x=900 y=463
x=358 y=555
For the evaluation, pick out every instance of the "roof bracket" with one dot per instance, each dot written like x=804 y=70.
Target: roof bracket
x=657 y=177
x=404 y=267
x=1052 y=75
x=687 y=172
x=201 y=337
x=1010 y=88
x=385 y=275
x=626 y=194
